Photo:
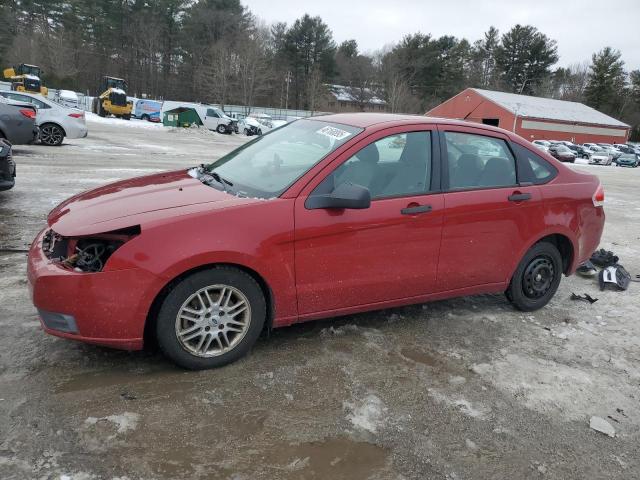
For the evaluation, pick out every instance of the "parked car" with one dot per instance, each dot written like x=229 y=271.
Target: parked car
x=627 y=160
x=250 y=126
x=7 y=166
x=614 y=152
x=579 y=150
x=148 y=110
x=17 y=122
x=67 y=98
x=562 y=152
x=54 y=121
x=542 y=144
x=299 y=225
x=598 y=156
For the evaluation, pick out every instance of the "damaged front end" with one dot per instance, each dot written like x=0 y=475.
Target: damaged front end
x=87 y=254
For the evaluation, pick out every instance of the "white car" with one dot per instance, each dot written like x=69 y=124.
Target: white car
x=597 y=155
x=66 y=98
x=542 y=145
x=54 y=121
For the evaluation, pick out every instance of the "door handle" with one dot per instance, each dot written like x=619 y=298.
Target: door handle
x=519 y=197
x=416 y=210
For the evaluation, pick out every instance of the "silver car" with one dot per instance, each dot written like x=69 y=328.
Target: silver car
x=54 y=121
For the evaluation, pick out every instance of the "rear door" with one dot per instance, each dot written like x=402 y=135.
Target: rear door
x=489 y=213
x=389 y=251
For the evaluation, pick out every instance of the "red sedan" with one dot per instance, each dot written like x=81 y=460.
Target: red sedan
x=325 y=216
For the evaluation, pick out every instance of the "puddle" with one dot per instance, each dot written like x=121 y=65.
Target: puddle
x=335 y=458
x=419 y=356
x=108 y=378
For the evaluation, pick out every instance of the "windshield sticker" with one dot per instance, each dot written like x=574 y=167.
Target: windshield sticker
x=333 y=132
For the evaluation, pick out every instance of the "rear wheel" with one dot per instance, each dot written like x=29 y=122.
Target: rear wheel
x=145 y=117
x=211 y=318
x=537 y=278
x=126 y=117
x=51 y=134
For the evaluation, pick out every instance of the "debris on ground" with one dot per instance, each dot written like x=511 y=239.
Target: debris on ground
x=585 y=298
x=601 y=425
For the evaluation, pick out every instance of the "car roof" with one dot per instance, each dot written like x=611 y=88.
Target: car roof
x=366 y=120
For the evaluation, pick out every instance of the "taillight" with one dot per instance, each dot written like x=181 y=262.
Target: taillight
x=27 y=112
x=77 y=115
x=598 y=197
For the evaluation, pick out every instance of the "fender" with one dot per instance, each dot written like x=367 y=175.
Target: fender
x=553 y=230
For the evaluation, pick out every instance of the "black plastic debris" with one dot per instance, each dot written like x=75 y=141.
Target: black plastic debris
x=604 y=258
x=585 y=298
x=587 y=269
x=615 y=275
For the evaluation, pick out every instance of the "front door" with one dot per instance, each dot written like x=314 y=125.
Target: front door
x=345 y=258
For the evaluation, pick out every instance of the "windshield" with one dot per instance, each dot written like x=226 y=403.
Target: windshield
x=268 y=165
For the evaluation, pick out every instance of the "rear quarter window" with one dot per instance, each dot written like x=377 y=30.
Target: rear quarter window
x=532 y=167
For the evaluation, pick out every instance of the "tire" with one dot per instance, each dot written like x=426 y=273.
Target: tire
x=51 y=134
x=187 y=307
x=126 y=117
x=537 y=278
x=259 y=131
x=145 y=117
x=221 y=128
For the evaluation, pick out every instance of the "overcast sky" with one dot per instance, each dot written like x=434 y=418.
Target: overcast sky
x=580 y=27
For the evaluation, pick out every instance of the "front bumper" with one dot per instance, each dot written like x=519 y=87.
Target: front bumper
x=107 y=308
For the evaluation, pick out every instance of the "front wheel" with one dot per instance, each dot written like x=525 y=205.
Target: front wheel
x=221 y=128
x=51 y=135
x=537 y=278
x=211 y=318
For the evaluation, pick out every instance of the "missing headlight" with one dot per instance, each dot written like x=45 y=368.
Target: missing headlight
x=86 y=254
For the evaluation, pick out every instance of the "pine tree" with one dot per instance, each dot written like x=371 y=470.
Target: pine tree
x=606 y=84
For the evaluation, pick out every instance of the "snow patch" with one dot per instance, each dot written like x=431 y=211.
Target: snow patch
x=368 y=414
x=124 y=422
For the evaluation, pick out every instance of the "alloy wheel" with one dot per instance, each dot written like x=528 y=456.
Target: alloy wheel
x=213 y=320
x=51 y=135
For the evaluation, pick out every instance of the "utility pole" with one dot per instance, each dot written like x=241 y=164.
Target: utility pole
x=287 y=80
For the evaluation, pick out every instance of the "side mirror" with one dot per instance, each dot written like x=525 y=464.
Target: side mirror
x=346 y=195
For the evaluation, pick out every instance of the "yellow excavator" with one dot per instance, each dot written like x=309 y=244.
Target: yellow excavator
x=112 y=99
x=25 y=78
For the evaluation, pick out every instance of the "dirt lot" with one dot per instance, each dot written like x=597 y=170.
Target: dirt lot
x=460 y=389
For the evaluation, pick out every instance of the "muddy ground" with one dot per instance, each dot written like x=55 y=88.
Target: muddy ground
x=460 y=389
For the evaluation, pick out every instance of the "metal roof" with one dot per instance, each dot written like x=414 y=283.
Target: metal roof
x=549 y=108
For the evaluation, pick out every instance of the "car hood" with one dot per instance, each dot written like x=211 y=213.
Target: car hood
x=135 y=201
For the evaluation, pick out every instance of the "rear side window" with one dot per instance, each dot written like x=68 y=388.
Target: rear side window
x=478 y=161
x=532 y=167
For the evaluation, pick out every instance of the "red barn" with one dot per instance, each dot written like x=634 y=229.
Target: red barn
x=534 y=118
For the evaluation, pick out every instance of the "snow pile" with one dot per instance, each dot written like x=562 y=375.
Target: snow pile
x=118 y=122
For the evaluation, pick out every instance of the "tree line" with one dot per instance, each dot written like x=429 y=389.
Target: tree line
x=217 y=51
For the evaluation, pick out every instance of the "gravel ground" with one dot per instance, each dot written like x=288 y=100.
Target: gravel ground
x=461 y=389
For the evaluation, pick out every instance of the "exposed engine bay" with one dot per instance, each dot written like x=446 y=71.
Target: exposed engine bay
x=85 y=254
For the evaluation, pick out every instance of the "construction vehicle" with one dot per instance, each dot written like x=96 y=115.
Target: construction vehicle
x=26 y=78
x=112 y=99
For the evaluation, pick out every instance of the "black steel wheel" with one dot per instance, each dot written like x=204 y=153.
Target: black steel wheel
x=537 y=277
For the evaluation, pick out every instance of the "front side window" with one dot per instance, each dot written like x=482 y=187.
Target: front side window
x=268 y=165
x=212 y=113
x=478 y=161
x=397 y=165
